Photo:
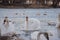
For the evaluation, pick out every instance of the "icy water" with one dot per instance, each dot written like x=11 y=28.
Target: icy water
x=42 y=15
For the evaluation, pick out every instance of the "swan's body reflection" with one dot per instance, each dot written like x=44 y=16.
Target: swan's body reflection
x=33 y=24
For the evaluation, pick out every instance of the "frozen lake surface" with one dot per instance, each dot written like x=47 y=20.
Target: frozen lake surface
x=18 y=15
